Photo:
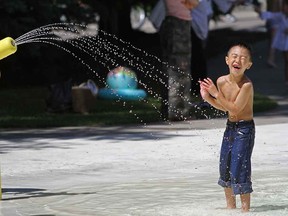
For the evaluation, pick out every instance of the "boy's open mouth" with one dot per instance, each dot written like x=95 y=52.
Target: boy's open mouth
x=236 y=67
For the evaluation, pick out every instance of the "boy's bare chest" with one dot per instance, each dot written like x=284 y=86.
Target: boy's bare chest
x=230 y=91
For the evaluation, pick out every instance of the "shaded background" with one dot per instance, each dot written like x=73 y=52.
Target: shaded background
x=37 y=64
x=40 y=64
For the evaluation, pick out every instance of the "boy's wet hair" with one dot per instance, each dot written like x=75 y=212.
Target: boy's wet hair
x=241 y=44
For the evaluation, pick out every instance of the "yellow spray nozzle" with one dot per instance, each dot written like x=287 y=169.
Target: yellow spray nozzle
x=7 y=47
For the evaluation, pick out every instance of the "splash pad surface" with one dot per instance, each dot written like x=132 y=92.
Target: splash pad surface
x=156 y=170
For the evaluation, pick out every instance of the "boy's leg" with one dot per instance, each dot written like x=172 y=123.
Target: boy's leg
x=230 y=198
x=241 y=166
x=245 y=201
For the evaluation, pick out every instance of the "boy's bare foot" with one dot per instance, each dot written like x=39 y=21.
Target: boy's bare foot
x=230 y=198
x=245 y=201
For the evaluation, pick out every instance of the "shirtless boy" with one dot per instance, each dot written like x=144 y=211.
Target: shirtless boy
x=234 y=95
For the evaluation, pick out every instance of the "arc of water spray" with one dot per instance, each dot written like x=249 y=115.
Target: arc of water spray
x=40 y=35
x=63 y=32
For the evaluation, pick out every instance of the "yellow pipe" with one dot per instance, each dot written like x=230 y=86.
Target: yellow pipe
x=7 y=47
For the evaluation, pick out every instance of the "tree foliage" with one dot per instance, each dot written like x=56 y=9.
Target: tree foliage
x=39 y=63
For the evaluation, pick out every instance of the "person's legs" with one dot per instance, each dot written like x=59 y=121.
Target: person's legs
x=271 y=53
x=245 y=202
x=225 y=160
x=241 y=162
x=230 y=198
x=286 y=66
x=176 y=51
x=271 y=56
x=224 y=167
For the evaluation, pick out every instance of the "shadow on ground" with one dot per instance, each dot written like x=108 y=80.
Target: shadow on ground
x=27 y=193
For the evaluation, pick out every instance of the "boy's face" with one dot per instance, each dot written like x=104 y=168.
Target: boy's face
x=238 y=60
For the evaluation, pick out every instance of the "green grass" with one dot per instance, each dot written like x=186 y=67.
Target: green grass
x=263 y=103
x=26 y=108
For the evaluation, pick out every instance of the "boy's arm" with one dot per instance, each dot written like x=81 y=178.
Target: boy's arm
x=233 y=107
x=211 y=100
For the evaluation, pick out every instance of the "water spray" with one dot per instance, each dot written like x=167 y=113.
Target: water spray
x=7 y=47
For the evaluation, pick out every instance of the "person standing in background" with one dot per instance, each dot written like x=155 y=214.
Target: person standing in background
x=175 y=37
x=280 y=40
x=201 y=16
x=272 y=6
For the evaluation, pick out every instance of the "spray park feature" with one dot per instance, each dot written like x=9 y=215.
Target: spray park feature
x=122 y=84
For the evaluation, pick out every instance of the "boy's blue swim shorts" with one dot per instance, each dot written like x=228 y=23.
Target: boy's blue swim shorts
x=235 y=156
